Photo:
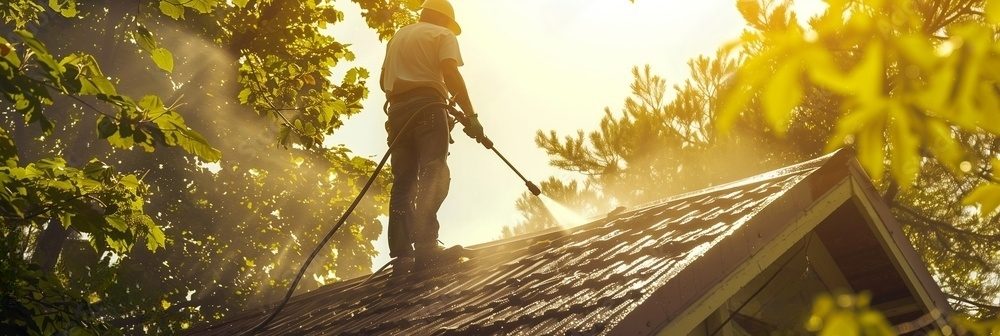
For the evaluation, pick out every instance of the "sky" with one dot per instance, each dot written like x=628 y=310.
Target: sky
x=536 y=65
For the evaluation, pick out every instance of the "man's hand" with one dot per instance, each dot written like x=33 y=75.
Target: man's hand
x=474 y=130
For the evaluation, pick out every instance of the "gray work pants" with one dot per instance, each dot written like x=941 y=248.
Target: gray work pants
x=420 y=172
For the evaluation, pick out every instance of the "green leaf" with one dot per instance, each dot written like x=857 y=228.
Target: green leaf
x=171 y=9
x=163 y=59
x=202 y=6
x=151 y=106
x=177 y=133
x=106 y=127
x=194 y=143
x=65 y=7
x=781 y=95
x=244 y=95
x=118 y=223
x=240 y=3
x=155 y=238
x=987 y=196
x=8 y=152
x=97 y=170
x=41 y=52
x=145 y=39
x=130 y=182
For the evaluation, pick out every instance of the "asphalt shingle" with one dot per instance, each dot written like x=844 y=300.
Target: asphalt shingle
x=574 y=281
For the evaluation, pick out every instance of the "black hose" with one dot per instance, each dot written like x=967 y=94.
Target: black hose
x=291 y=289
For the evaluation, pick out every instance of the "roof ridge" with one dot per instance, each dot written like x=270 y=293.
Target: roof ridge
x=768 y=175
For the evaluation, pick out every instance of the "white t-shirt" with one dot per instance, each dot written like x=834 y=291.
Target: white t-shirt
x=413 y=58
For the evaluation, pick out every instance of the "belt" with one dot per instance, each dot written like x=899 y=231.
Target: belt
x=413 y=93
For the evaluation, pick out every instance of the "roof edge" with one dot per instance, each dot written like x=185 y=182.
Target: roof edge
x=676 y=296
x=897 y=246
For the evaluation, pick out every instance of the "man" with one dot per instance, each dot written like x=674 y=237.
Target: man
x=420 y=70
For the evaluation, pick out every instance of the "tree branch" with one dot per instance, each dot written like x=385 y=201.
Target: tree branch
x=945 y=227
x=980 y=305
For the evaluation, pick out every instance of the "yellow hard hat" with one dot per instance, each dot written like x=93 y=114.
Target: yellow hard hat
x=444 y=7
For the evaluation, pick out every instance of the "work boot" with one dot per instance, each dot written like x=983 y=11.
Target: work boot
x=401 y=266
x=426 y=257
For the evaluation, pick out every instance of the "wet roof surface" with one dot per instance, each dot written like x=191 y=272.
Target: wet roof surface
x=577 y=281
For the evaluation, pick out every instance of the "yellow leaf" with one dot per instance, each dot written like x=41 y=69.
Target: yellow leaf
x=164 y=303
x=866 y=77
x=870 y=144
x=734 y=102
x=875 y=324
x=943 y=145
x=823 y=71
x=841 y=323
x=987 y=196
x=989 y=106
x=781 y=95
x=995 y=168
x=905 y=164
x=854 y=122
x=992 y=11
x=918 y=50
x=822 y=306
x=740 y=90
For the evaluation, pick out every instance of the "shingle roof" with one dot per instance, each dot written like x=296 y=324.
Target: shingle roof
x=576 y=281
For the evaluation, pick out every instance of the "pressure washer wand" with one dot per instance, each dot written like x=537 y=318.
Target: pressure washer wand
x=531 y=186
x=481 y=138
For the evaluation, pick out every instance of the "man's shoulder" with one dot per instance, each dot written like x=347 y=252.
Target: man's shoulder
x=423 y=28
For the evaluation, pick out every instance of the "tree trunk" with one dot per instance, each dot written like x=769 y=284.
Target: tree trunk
x=49 y=245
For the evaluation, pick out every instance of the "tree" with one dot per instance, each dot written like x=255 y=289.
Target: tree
x=222 y=230
x=915 y=85
x=818 y=88
x=653 y=149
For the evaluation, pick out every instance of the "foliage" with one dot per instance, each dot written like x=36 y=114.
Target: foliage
x=906 y=85
x=653 y=148
x=71 y=70
x=852 y=315
x=847 y=315
x=34 y=302
x=94 y=199
x=769 y=83
x=912 y=86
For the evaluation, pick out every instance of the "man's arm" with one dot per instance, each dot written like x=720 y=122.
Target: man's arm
x=456 y=85
x=381 y=79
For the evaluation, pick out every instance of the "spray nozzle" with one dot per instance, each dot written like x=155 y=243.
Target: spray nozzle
x=533 y=188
